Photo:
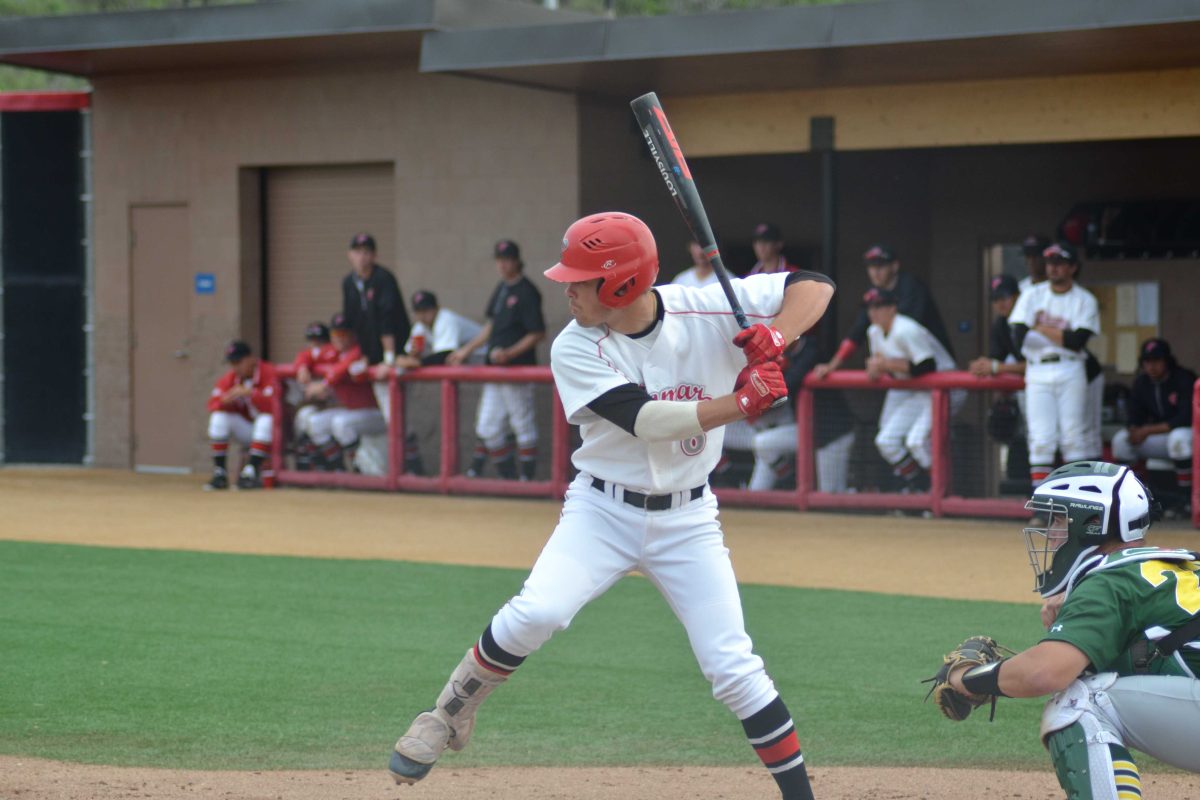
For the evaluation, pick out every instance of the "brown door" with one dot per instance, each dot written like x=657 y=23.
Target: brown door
x=162 y=375
x=312 y=212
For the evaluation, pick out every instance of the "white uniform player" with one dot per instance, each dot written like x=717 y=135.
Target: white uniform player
x=903 y=348
x=438 y=331
x=1051 y=324
x=646 y=374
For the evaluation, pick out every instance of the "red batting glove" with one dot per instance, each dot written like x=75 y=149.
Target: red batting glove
x=757 y=388
x=761 y=343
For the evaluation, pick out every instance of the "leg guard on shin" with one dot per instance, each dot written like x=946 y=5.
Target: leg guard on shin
x=449 y=724
x=1086 y=744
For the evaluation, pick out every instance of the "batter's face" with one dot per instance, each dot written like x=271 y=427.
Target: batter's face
x=584 y=302
x=883 y=276
x=362 y=260
x=765 y=250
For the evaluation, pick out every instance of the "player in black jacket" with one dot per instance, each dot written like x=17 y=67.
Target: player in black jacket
x=1160 y=418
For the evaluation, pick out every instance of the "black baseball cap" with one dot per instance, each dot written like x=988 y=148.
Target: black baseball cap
x=767 y=232
x=424 y=299
x=236 y=350
x=507 y=248
x=1004 y=286
x=879 y=254
x=362 y=240
x=875 y=297
x=1155 y=348
x=1061 y=251
x=317 y=330
x=340 y=323
x=1034 y=244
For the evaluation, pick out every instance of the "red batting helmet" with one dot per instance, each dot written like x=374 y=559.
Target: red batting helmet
x=615 y=247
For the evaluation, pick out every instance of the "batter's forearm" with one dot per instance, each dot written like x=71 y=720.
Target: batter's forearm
x=718 y=411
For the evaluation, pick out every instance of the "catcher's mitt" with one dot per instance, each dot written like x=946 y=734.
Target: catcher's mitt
x=975 y=651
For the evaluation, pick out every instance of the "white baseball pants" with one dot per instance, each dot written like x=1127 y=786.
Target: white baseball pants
x=1055 y=402
x=224 y=425
x=1176 y=444
x=1093 y=408
x=345 y=424
x=505 y=405
x=906 y=424
x=600 y=539
x=833 y=460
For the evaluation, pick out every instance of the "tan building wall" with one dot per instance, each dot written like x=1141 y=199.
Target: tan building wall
x=1131 y=105
x=474 y=162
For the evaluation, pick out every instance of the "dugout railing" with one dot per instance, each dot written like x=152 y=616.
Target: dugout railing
x=448 y=480
x=939 y=500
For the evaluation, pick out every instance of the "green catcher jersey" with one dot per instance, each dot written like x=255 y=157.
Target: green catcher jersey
x=1129 y=597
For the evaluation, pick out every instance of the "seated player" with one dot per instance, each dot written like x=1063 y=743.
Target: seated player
x=240 y=407
x=336 y=431
x=319 y=351
x=1160 y=419
x=1122 y=647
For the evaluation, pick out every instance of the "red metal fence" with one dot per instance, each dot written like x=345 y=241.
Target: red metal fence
x=938 y=500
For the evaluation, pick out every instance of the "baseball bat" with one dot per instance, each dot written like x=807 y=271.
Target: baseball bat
x=673 y=169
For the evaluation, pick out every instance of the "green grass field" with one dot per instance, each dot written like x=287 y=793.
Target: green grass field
x=135 y=657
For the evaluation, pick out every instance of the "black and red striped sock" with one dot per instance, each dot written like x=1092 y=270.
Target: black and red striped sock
x=773 y=736
x=1183 y=474
x=906 y=468
x=220 y=451
x=492 y=656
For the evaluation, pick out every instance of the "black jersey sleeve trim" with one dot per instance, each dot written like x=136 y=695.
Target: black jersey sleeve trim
x=1019 y=332
x=808 y=275
x=1076 y=339
x=923 y=368
x=621 y=405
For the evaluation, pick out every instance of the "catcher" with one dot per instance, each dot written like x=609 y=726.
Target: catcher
x=1122 y=647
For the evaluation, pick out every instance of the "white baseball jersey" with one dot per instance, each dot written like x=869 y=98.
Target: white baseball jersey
x=689 y=356
x=1070 y=310
x=910 y=340
x=451 y=331
x=690 y=277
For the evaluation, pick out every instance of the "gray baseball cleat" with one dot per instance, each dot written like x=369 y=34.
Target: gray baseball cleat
x=419 y=748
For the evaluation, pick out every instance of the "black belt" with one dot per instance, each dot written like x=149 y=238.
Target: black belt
x=649 y=502
x=1049 y=360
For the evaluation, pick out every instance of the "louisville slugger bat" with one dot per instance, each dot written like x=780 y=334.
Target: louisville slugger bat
x=673 y=169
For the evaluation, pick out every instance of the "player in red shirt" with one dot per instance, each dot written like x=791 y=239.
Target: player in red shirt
x=336 y=431
x=319 y=351
x=241 y=406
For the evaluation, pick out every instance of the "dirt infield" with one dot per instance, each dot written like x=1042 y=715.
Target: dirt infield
x=119 y=509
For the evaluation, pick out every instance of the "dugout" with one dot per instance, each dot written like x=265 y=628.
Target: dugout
x=234 y=147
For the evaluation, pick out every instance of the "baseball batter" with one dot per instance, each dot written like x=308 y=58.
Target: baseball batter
x=1051 y=325
x=646 y=374
x=1122 y=648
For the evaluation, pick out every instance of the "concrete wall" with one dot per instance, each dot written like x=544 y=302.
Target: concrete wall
x=474 y=162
